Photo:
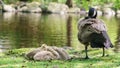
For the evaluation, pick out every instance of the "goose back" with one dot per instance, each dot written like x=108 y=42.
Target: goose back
x=93 y=31
x=94 y=23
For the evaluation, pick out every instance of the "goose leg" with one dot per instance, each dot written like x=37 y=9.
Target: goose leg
x=103 y=52
x=86 y=52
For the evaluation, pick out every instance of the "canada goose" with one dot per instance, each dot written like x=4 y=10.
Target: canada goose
x=93 y=32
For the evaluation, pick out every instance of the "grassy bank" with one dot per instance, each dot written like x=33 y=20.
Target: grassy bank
x=15 y=59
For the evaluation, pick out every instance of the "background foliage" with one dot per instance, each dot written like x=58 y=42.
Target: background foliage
x=80 y=3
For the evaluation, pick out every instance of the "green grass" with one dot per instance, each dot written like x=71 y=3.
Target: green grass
x=15 y=59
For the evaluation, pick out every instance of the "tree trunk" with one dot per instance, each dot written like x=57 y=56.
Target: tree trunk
x=2 y=4
x=69 y=3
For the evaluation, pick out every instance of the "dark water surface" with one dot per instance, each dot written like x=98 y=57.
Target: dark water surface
x=31 y=30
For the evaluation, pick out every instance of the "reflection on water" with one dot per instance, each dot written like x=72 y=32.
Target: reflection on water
x=117 y=43
x=69 y=30
x=31 y=30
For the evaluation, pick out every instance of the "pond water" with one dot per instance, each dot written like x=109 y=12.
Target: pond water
x=19 y=30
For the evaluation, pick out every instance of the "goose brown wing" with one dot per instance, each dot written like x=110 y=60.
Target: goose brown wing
x=96 y=25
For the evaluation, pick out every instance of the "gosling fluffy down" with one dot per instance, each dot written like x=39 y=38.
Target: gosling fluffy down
x=48 y=53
